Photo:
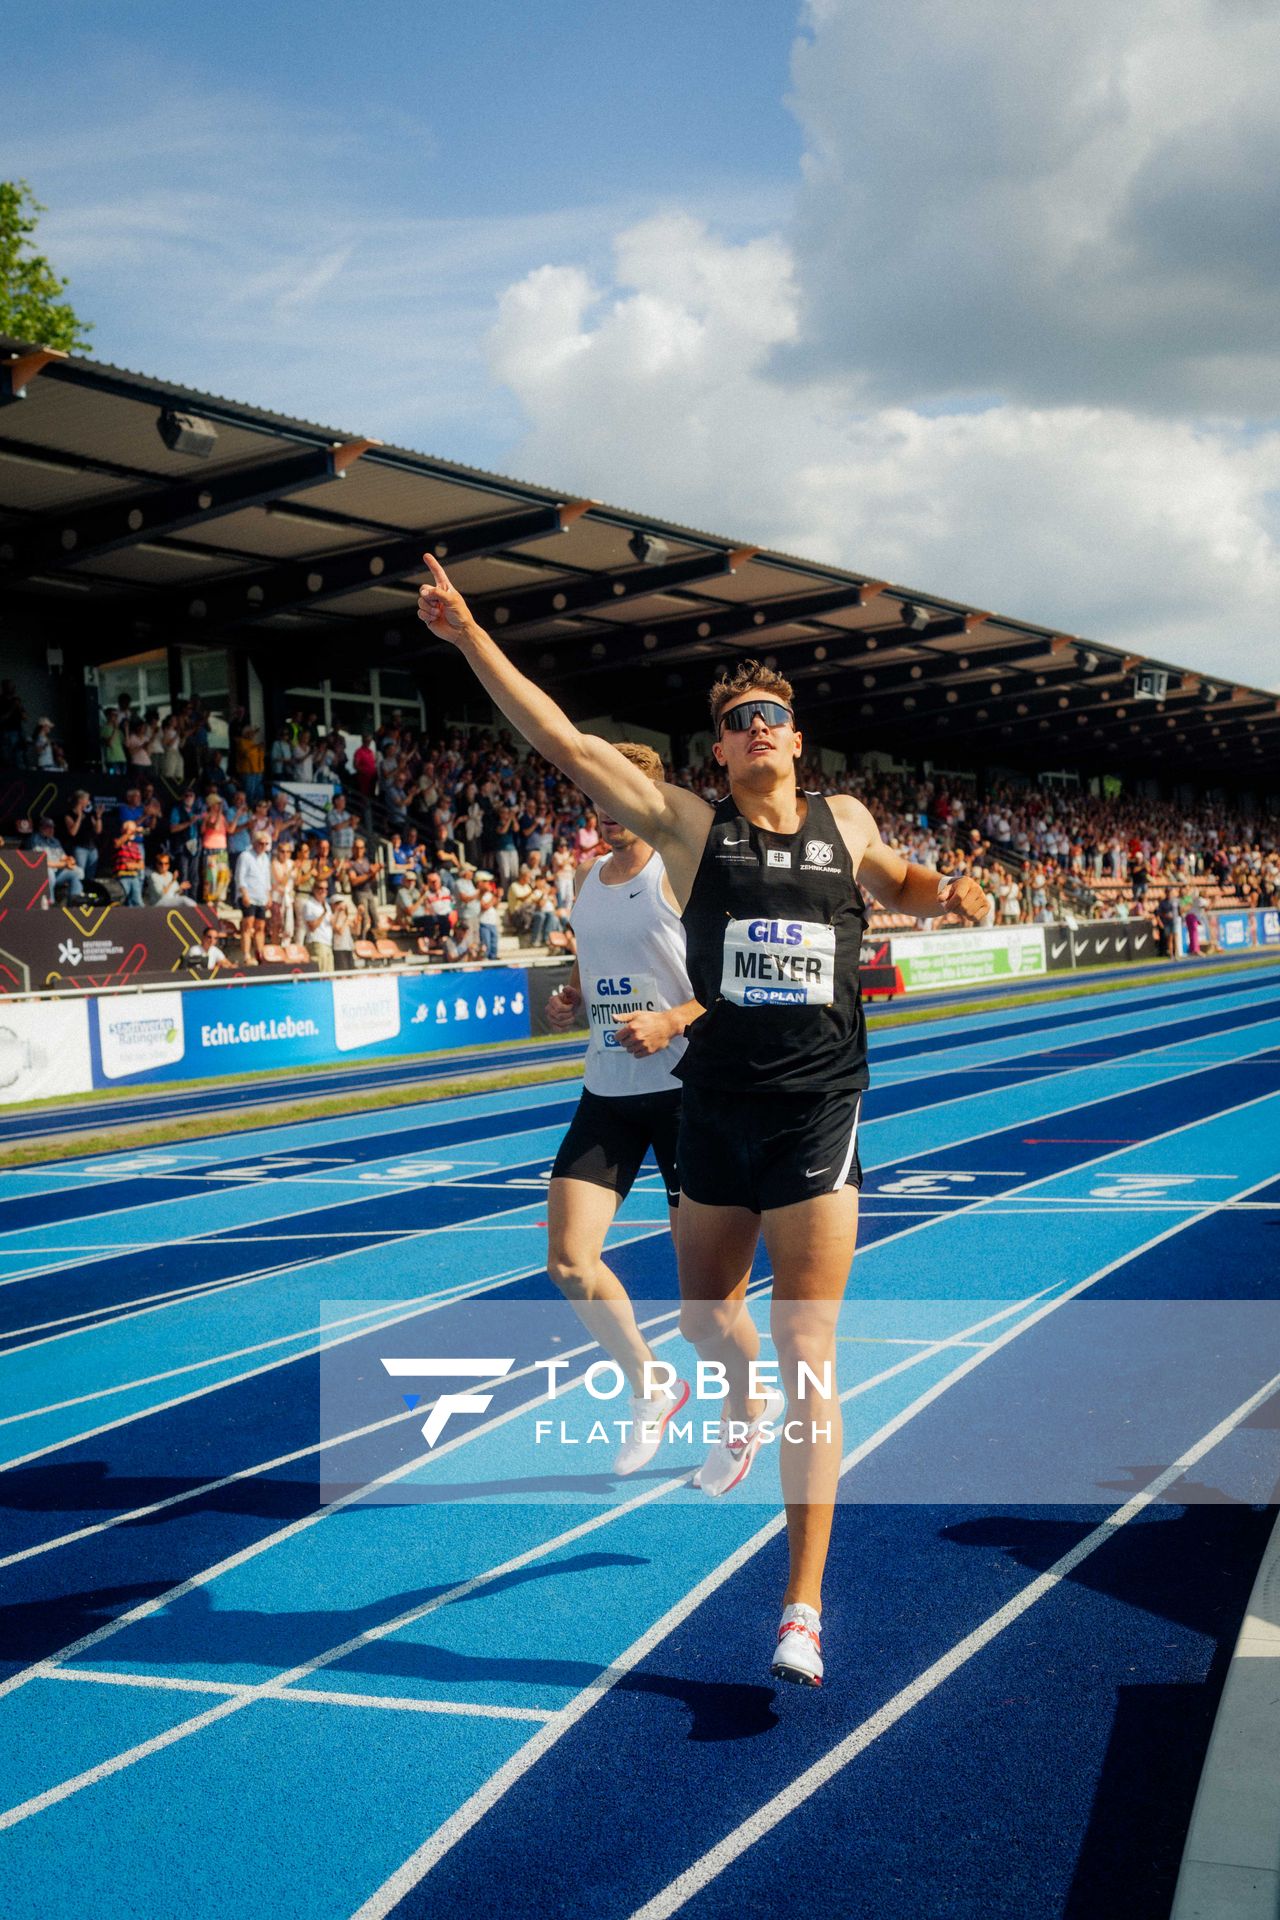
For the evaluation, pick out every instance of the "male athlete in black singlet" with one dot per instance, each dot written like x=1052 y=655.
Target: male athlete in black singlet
x=770 y=884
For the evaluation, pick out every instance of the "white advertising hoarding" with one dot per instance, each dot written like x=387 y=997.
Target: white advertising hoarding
x=44 y=1050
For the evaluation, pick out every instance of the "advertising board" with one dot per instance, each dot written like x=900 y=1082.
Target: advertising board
x=271 y=1028
x=959 y=956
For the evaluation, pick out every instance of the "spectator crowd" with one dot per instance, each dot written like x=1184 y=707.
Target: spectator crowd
x=456 y=841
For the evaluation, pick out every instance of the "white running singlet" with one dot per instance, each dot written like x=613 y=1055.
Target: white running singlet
x=630 y=955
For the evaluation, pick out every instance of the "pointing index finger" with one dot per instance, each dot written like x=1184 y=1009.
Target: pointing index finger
x=438 y=573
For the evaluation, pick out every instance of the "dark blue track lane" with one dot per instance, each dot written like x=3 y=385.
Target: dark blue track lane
x=1018 y=1789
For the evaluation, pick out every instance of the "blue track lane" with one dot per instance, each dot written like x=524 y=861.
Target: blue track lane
x=1124 y=1149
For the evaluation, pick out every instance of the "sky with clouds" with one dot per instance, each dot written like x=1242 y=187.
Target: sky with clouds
x=976 y=296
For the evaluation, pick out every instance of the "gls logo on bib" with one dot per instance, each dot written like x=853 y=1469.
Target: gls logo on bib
x=626 y=993
x=778 y=963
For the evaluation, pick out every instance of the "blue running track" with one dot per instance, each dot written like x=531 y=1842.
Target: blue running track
x=263 y=1650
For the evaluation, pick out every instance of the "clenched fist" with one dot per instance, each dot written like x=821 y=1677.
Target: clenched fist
x=963 y=898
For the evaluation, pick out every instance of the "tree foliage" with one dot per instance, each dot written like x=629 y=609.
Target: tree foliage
x=31 y=307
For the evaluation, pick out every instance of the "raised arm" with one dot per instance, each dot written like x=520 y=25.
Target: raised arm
x=902 y=885
x=665 y=816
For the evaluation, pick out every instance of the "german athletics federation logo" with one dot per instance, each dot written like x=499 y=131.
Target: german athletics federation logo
x=459 y=1369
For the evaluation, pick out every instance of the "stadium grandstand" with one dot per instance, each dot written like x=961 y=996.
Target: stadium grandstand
x=210 y=647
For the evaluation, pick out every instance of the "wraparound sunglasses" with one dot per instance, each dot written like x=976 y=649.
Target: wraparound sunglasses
x=772 y=712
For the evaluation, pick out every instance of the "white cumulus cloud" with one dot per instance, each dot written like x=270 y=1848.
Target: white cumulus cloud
x=988 y=357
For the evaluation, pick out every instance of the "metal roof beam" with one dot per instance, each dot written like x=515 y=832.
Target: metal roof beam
x=615 y=648
x=291 y=585
x=56 y=541
x=903 y=677
x=691 y=635
x=504 y=614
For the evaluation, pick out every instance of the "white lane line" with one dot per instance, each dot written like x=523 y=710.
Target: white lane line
x=1143 y=1056
x=925 y=1221
x=1146 y=1056
x=271 y=1689
x=420 y=1863
x=554 y=1728
x=307 y=1696
x=223 y=1149
x=159 y=1601
x=368 y=1190
x=412 y=1308
x=327 y=1445
x=773 y=1812
x=89 y=1319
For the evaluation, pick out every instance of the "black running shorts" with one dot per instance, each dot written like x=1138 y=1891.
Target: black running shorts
x=766 y=1150
x=609 y=1138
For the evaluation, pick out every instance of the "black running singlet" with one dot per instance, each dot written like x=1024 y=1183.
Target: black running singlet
x=774 y=925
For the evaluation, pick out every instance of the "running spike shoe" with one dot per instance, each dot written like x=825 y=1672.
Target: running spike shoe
x=649 y=1420
x=731 y=1458
x=798 y=1654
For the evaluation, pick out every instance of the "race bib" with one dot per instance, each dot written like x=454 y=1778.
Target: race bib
x=624 y=993
x=779 y=963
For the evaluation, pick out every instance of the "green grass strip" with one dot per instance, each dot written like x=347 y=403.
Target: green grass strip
x=297 y=1107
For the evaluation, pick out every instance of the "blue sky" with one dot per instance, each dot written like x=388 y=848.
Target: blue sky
x=978 y=298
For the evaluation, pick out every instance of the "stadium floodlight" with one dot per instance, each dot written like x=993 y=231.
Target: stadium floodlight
x=1211 y=694
x=187 y=433
x=1150 y=683
x=917 y=618
x=1088 y=660
x=648 y=549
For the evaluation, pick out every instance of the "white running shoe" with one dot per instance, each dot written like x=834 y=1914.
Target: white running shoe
x=648 y=1424
x=798 y=1654
x=730 y=1460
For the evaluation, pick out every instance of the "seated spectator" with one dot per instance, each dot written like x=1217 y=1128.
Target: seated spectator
x=82 y=832
x=342 y=828
x=315 y=922
x=162 y=886
x=184 y=837
x=437 y=902
x=281 y=915
x=342 y=913
x=362 y=878
x=490 y=921
x=64 y=873
x=111 y=737
x=213 y=840
x=206 y=953
x=544 y=917
x=253 y=897
x=130 y=860
x=250 y=761
x=519 y=908
x=44 y=755
x=411 y=912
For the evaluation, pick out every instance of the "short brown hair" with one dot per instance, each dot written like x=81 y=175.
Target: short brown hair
x=749 y=676
x=649 y=762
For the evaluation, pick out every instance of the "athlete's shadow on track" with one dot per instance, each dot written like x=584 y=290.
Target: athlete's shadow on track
x=244 y=1639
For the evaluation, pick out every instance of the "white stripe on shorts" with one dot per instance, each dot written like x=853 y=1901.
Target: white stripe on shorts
x=847 y=1162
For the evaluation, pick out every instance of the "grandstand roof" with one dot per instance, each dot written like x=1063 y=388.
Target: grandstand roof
x=298 y=543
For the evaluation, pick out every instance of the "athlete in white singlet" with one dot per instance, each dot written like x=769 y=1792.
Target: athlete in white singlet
x=631 y=981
